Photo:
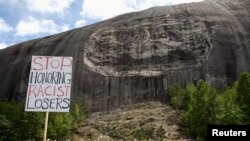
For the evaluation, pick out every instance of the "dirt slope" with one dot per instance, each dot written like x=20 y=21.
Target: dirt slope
x=143 y=121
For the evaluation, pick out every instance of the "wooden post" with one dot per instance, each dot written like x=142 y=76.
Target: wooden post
x=46 y=126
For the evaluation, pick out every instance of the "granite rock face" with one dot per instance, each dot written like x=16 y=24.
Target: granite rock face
x=137 y=56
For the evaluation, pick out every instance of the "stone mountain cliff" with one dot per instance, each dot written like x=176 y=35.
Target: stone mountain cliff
x=135 y=57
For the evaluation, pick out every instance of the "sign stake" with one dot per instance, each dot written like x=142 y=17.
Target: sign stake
x=46 y=126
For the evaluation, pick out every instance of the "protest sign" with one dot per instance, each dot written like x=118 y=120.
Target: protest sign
x=49 y=84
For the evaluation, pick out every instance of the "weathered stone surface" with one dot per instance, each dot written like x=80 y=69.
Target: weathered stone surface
x=136 y=56
x=148 y=46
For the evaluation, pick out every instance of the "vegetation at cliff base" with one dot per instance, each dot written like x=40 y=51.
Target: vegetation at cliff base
x=18 y=125
x=202 y=104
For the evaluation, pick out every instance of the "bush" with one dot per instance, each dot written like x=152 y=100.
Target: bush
x=228 y=110
x=59 y=125
x=19 y=125
x=201 y=109
x=178 y=97
x=79 y=112
x=243 y=97
x=15 y=124
x=8 y=122
x=207 y=106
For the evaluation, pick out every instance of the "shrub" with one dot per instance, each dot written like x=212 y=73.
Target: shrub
x=201 y=109
x=207 y=106
x=243 y=97
x=178 y=97
x=228 y=110
x=79 y=112
x=59 y=125
x=15 y=124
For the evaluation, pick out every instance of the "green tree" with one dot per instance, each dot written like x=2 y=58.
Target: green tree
x=6 y=127
x=201 y=109
x=15 y=124
x=183 y=118
x=32 y=123
x=59 y=125
x=178 y=97
x=243 y=91
x=228 y=110
x=79 y=112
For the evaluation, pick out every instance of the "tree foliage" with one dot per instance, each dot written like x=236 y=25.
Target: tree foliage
x=228 y=110
x=206 y=105
x=18 y=125
x=243 y=97
x=201 y=108
x=15 y=124
x=179 y=97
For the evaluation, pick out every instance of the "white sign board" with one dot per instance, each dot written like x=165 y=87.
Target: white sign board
x=49 y=84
